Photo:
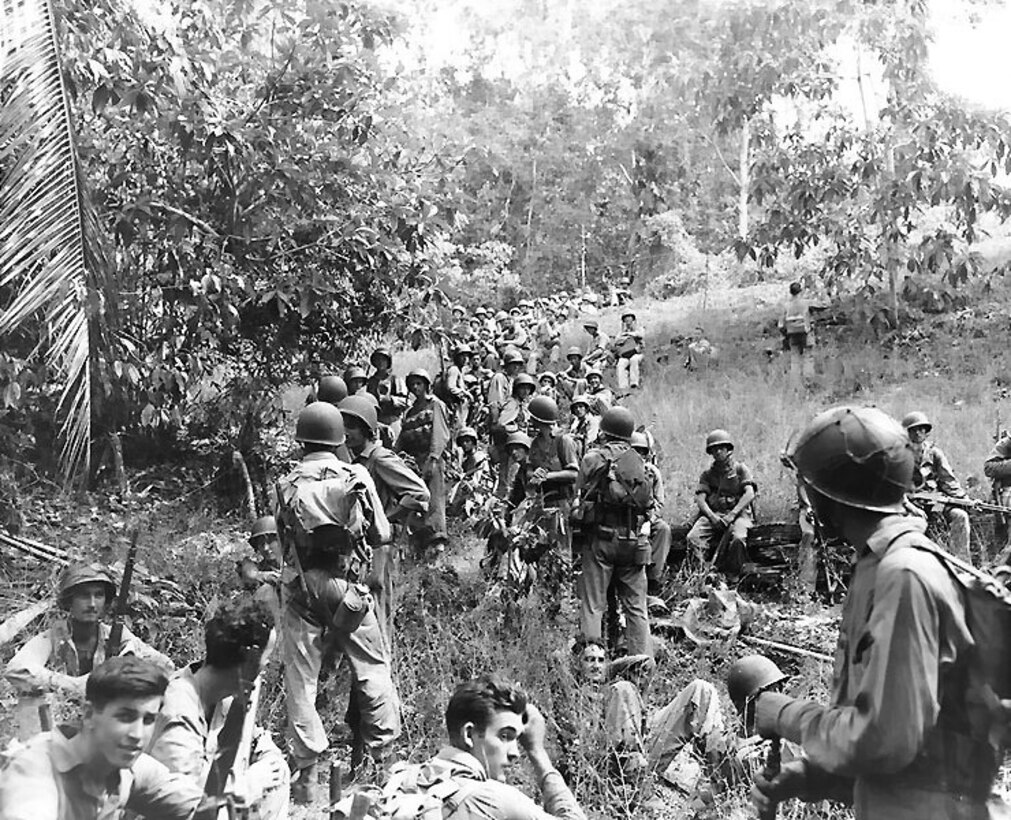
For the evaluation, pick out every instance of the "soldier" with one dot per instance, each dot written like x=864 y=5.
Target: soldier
x=424 y=435
x=188 y=732
x=329 y=516
x=355 y=378
x=473 y=474
x=261 y=573
x=390 y=391
x=795 y=325
x=100 y=770
x=546 y=343
x=59 y=659
x=330 y=389
x=585 y=425
x=599 y=347
x=600 y=397
x=997 y=468
x=909 y=729
x=933 y=474
x=660 y=534
x=572 y=380
x=724 y=498
x=546 y=385
x=628 y=347
x=614 y=545
x=456 y=384
x=500 y=390
x=514 y=336
x=514 y=418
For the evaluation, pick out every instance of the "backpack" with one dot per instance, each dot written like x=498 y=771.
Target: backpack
x=626 y=482
x=425 y=791
x=987 y=602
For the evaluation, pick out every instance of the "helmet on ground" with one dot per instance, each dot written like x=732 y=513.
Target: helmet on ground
x=639 y=441
x=79 y=574
x=750 y=676
x=355 y=373
x=617 y=422
x=543 y=409
x=524 y=380
x=519 y=440
x=381 y=351
x=917 y=419
x=320 y=423
x=512 y=356
x=359 y=407
x=264 y=525
x=718 y=438
x=858 y=456
x=419 y=373
x=580 y=399
x=574 y=351
x=331 y=389
x=593 y=323
x=467 y=432
x=548 y=376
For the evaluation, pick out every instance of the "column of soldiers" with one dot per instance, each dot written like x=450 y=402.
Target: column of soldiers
x=375 y=454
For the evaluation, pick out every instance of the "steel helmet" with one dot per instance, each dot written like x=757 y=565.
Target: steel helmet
x=355 y=372
x=78 y=574
x=519 y=440
x=361 y=408
x=419 y=373
x=547 y=375
x=462 y=349
x=512 y=356
x=750 y=676
x=617 y=422
x=916 y=419
x=591 y=323
x=332 y=389
x=858 y=456
x=639 y=441
x=467 y=432
x=481 y=312
x=543 y=409
x=580 y=398
x=593 y=371
x=458 y=308
x=524 y=379
x=500 y=315
x=718 y=437
x=264 y=525
x=626 y=313
x=575 y=350
x=380 y=351
x=320 y=423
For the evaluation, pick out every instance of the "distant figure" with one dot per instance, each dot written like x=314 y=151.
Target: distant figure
x=795 y=325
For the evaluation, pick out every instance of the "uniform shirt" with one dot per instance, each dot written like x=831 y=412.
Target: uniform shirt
x=585 y=431
x=392 y=395
x=554 y=452
x=933 y=472
x=484 y=799
x=517 y=337
x=597 y=348
x=514 y=416
x=659 y=493
x=595 y=465
x=998 y=464
x=629 y=342
x=396 y=483
x=424 y=432
x=455 y=383
x=46 y=780
x=547 y=333
x=723 y=487
x=473 y=463
x=49 y=661
x=899 y=675
x=500 y=389
x=796 y=315
x=600 y=399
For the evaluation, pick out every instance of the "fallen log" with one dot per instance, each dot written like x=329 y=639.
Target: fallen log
x=35 y=549
x=788 y=648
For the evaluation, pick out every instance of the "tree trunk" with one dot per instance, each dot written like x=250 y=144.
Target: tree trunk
x=116 y=447
x=582 y=258
x=742 y=215
x=530 y=215
x=247 y=484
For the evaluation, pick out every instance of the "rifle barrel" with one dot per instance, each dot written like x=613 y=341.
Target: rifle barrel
x=122 y=598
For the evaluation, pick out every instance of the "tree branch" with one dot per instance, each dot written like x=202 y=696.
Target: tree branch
x=723 y=159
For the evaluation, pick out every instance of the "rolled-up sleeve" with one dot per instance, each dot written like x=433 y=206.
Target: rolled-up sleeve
x=157 y=792
x=27 y=669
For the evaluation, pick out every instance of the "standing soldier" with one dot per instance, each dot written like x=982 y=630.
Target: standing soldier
x=500 y=390
x=403 y=494
x=331 y=389
x=328 y=517
x=628 y=348
x=911 y=731
x=424 y=435
x=997 y=468
x=472 y=474
x=933 y=474
x=615 y=502
x=261 y=573
x=514 y=418
x=600 y=397
x=59 y=659
x=572 y=380
x=585 y=426
x=355 y=378
x=660 y=534
x=795 y=325
x=724 y=498
x=597 y=351
x=456 y=384
x=390 y=391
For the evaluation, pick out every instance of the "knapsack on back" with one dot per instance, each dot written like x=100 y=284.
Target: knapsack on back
x=425 y=791
x=627 y=482
x=987 y=603
x=440 y=389
x=321 y=514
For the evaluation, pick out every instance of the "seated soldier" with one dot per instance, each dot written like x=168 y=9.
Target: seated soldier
x=600 y=397
x=572 y=380
x=188 y=735
x=725 y=514
x=628 y=347
x=100 y=771
x=585 y=426
x=59 y=659
x=660 y=533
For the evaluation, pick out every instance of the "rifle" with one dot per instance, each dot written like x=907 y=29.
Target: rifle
x=235 y=742
x=115 y=642
x=772 y=765
x=962 y=503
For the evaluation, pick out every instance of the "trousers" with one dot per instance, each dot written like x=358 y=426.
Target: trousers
x=660 y=540
x=702 y=534
x=602 y=561
x=628 y=371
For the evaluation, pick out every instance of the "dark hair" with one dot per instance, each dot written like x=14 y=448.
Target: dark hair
x=236 y=629
x=580 y=645
x=795 y=288
x=478 y=700
x=124 y=677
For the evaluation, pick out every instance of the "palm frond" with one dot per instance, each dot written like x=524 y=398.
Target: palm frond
x=51 y=251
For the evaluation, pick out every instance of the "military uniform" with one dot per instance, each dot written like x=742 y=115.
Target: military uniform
x=933 y=473
x=997 y=468
x=628 y=347
x=584 y=432
x=660 y=534
x=424 y=435
x=600 y=398
x=723 y=488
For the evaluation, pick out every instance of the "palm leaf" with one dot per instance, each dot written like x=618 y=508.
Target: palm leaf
x=51 y=252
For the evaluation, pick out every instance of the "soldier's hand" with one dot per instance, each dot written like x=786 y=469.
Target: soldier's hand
x=791 y=781
x=534 y=729
x=538 y=476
